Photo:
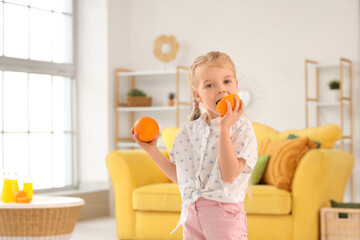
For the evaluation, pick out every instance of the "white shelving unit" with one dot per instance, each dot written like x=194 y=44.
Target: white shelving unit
x=130 y=73
x=344 y=105
x=122 y=108
x=149 y=109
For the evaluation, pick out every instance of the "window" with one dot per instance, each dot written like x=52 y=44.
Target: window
x=37 y=91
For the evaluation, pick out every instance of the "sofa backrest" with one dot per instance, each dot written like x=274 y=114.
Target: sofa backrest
x=326 y=135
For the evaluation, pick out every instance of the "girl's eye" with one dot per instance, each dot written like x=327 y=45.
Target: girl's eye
x=227 y=81
x=209 y=85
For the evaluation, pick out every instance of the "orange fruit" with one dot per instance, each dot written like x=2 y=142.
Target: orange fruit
x=24 y=200
x=222 y=107
x=18 y=195
x=146 y=128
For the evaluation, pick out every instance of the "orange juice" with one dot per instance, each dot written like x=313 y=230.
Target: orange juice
x=28 y=189
x=9 y=188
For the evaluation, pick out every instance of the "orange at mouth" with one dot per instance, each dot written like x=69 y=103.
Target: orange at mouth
x=221 y=107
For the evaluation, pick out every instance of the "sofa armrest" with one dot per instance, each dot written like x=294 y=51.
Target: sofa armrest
x=130 y=169
x=321 y=175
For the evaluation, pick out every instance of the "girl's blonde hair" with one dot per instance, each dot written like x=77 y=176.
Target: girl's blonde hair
x=215 y=58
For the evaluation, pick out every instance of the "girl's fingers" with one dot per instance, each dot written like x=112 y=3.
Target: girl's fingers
x=228 y=105
x=134 y=135
x=237 y=103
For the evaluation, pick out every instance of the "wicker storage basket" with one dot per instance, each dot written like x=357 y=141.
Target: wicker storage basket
x=45 y=218
x=139 y=101
x=340 y=224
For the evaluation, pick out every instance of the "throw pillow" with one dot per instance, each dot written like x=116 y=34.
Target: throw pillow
x=259 y=169
x=285 y=156
x=293 y=136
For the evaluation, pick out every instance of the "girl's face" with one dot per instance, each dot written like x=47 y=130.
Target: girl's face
x=214 y=83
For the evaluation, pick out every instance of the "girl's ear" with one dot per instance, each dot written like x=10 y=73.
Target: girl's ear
x=197 y=96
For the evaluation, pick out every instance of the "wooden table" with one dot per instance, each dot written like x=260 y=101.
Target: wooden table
x=45 y=218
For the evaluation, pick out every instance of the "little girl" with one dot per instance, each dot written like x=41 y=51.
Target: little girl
x=212 y=157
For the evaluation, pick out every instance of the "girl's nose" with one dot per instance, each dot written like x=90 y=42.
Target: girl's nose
x=221 y=90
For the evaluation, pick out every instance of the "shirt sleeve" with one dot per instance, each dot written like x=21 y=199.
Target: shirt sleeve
x=244 y=143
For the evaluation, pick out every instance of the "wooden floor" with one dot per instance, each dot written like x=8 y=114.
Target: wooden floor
x=95 y=229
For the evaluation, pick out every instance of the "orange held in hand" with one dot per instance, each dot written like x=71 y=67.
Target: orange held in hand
x=146 y=128
x=222 y=106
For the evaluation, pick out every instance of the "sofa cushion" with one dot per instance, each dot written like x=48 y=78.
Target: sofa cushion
x=285 y=156
x=267 y=199
x=163 y=197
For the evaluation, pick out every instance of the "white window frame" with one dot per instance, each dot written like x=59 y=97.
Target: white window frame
x=54 y=69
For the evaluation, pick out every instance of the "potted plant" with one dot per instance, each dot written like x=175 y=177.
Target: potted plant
x=137 y=98
x=334 y=86
x=171 y=99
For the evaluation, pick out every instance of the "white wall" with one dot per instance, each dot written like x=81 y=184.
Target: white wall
x=100 y=50
x=118 y=51
x=92 y=90
x=268 y=41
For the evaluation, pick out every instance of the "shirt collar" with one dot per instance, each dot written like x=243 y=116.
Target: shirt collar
x=213 y=122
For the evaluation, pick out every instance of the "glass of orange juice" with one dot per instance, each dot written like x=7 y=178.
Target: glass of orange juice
x=28 y=186
x=10 y=187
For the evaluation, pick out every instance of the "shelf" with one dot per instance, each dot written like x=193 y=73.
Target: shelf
x=150 y=109
x=147 y=73
x=328 y=104
x=330 y=66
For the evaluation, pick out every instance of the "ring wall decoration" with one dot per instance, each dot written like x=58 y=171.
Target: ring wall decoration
x=166 y=48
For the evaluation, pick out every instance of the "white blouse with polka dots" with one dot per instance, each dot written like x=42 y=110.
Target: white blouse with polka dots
x=195 y=153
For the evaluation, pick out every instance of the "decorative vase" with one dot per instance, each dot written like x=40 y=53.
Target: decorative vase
x=170 y=102
x=335 y=95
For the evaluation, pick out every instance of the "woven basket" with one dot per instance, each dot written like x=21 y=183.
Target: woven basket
x=139 y=101
x=335 y=227
x=52 y=223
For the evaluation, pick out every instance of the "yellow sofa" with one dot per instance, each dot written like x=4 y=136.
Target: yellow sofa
x=148 y=204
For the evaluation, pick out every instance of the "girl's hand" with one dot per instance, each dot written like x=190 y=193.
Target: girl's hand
x=147 y=146
x=232 y=115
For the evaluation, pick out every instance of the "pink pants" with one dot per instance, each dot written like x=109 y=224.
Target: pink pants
x=212 y=220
